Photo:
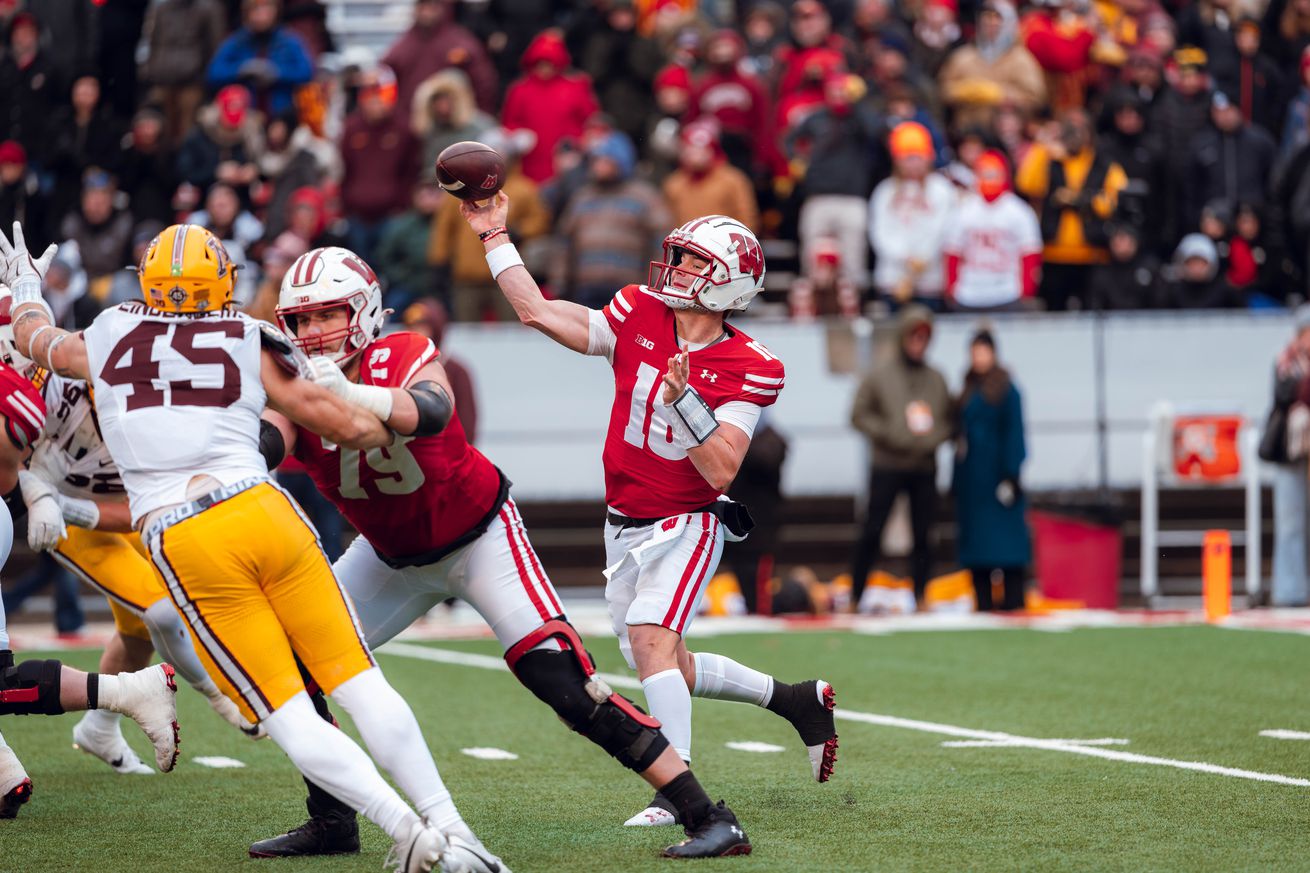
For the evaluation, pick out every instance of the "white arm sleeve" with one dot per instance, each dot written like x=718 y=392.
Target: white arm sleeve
x=740 y=414
x=600 y=336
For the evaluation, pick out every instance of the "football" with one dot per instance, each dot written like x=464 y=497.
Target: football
x=470 y=170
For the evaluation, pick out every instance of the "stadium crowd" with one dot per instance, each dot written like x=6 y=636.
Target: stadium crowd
x=970 y=154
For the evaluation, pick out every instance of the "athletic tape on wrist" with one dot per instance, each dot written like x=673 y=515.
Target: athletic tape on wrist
x=502 y=258
x=374 y=398
x=27 y=291
x=80 y=512
x=695 y=415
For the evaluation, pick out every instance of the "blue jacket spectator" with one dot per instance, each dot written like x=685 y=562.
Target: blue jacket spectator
x=269 y=60
x=989 y=502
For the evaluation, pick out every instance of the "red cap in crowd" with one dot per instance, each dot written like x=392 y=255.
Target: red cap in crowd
x=673 y=76
x=993 y=175
x=232 y=101
x=547 y=46
x=11 y=152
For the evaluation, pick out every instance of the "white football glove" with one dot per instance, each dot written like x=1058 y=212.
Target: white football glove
x=375 y=398
x=45 y=516
x=324 y=371
x=49 y=462
x=17 y=266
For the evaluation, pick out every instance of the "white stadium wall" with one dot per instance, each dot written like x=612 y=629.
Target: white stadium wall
x=543 y=410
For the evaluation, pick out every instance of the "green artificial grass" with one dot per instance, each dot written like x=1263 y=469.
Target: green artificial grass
x=899 y=800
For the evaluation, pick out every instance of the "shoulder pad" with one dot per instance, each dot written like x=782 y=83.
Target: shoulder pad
x=283 y=350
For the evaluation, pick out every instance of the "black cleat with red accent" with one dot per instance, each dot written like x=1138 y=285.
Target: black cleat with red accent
x=809 y=707
x=718 y=836
x=17 y=796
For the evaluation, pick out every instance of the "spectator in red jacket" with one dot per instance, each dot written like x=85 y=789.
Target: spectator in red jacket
x=548 y=100
x=812 y=34
x=1062 y=41
x=738 y=102
x=380 y=156
x=435 y=43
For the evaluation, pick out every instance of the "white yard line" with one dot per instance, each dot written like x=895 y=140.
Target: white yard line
x=486 y=662
x=218 y=762
x=1280 y=734
x=993 y=744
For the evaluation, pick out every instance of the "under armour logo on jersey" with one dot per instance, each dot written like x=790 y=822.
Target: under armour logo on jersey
x=706 y=374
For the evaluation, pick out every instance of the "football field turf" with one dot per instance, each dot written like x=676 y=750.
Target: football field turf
x=900 y=800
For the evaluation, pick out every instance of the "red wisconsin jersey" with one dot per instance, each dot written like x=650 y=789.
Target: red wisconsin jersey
x=417 y=495
x=22 y=406
x=646 y=474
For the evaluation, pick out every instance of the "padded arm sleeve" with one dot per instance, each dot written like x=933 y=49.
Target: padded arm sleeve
x=435 y=409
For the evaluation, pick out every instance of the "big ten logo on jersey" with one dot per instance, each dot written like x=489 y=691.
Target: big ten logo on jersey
x=393 y=470
x=648 y=425
x=195 y=351
x=645 y=343
x=376 y=359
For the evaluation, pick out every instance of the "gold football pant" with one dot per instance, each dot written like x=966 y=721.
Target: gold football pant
x=250 y=578
x=118 y=566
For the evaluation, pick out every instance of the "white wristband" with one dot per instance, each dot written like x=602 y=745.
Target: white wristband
x=374 y=398
x=80 y=512
x=28 y=290
x=501 y=258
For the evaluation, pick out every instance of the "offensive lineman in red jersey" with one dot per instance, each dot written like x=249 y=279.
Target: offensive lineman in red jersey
x=689 y=389
x=436 y=520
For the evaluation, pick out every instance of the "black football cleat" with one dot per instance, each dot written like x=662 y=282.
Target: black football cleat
x=718 y=836
x=16 y=797
x=810 y=711
x=321 y=835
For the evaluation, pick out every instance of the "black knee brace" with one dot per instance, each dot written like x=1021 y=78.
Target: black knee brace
x=30 y=688
x=567 y=682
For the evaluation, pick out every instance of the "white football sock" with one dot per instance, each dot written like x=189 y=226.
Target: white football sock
x=331 y=760
x=102 y=721
x=172 y=641
x=11 y=769
x=670 y=702
x=392 y=735
x=722 y=678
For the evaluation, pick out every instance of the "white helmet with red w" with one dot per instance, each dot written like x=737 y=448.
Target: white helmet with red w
x=734 y=274
x=9 y=353
x=324 y=279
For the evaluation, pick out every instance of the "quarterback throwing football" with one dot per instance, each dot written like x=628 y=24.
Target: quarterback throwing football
x=689 y=389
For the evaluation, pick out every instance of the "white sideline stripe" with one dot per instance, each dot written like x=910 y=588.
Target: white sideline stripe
x=990 y=744
x=754 y=746
x=218 y=762
x=1279 y=734
x=489 y=753
x=486 y=662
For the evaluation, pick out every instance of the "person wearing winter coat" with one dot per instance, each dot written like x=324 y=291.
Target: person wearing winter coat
x=839 y=148
x=908 y=216
x=1286 y=451
x=739 y=102
x=1194 y=280
x=380 y=157
x=101 y=232
x=989 y=456
x=705 y=183
x=993 y=244
x=994 y=70
x=1178 y=116
x=147 y=168
x=549 y=100
x=444 y=113
x=1231 y=161
x=612 y=228
x=622 y=63
x=183 y=36
x=1126 y=141
x=225 y=145
x=437 y=42
x=1130 y=280
x=402 y=250
x=268 y=60
x=905 y=410
x=21 y=199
